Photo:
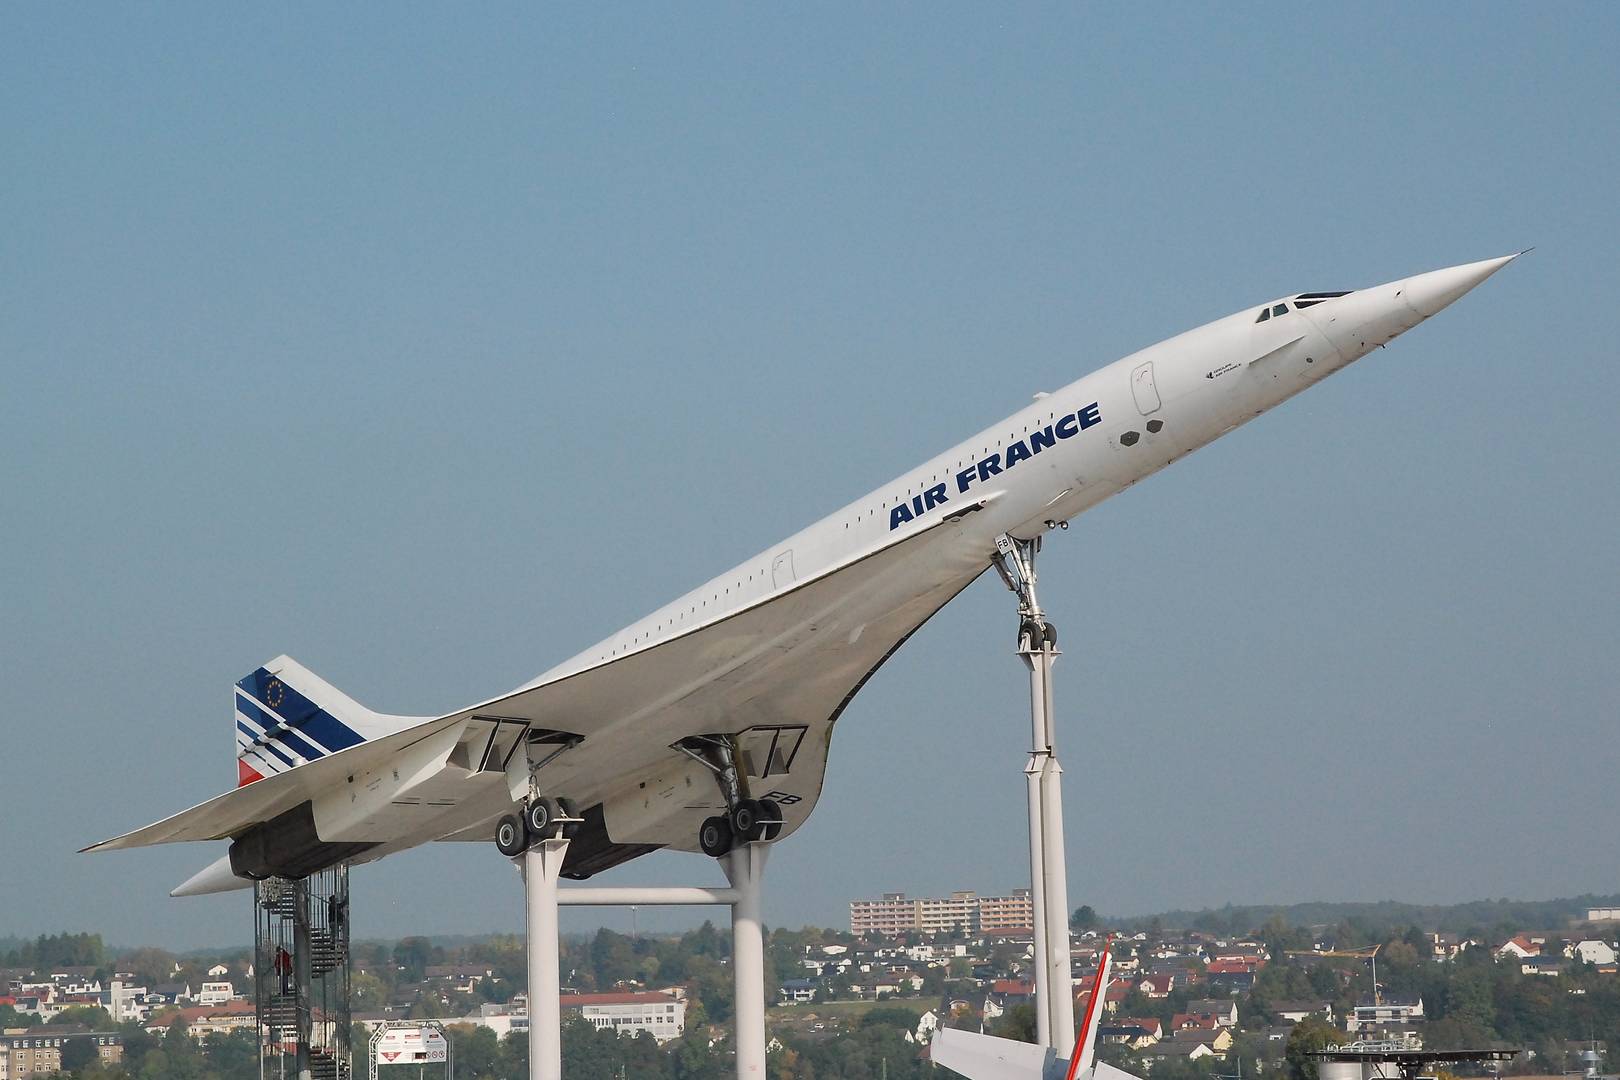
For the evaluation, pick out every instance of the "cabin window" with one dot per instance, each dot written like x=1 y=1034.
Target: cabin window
x=1280 y=309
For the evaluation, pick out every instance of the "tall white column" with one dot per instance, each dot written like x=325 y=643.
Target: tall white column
x=1057 y=914
x=1057 y=872
x=542 y=869
x=745 y=868
x=1037 y=891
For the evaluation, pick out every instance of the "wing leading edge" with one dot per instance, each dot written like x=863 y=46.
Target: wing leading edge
x=775 y=675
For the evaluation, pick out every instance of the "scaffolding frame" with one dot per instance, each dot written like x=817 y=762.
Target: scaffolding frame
x=301 y=975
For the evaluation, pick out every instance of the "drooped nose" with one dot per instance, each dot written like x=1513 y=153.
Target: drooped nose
x=1363 y=320
x=1427 y=294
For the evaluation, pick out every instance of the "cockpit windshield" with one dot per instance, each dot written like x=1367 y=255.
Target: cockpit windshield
x=1302 y=301
x=1306 y=299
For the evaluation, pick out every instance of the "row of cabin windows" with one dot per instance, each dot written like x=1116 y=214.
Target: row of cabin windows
x=864 y=514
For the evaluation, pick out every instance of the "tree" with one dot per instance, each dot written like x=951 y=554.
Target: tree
x=612 y=958
x=477 y=1052
x=414 y=954
x=1016 y=1023
x=1309 y=1034
x=77 y=1052
x=1084 y=918
x=93 y=1017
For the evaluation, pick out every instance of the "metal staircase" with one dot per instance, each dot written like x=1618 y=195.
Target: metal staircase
x=301 y=974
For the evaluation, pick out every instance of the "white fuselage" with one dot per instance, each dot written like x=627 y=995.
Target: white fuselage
x=1175 y=396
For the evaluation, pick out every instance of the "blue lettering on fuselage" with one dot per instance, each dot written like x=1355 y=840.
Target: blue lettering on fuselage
x=1067 y=427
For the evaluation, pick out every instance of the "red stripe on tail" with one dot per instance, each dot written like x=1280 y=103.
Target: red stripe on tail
x=246 y=774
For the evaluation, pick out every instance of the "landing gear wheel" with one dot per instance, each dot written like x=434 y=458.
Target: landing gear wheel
x=747 y=824
x=509 y=836
x=770 y=812
x=540 y=819
x=1049 y=634
x=715 y=837
x=570 y=829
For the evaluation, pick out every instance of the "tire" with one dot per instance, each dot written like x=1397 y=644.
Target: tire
x=770 y=813
x=570 y=810
x=539 y=819
x=715 y=837
x=509 y=836
x=1049 y=634
x=747 y=823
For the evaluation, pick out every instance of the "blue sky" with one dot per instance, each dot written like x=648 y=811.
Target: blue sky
x=429 y=346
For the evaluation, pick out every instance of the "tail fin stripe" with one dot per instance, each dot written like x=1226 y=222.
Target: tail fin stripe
x=282 y=701
x=275 y=729
x=256 y=742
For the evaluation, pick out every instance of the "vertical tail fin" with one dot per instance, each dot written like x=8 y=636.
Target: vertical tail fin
x=286 y=715
x=987 y=1057
x=1085 y=1046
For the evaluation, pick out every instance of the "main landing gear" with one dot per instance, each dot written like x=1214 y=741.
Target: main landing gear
x=750 y=821
x=539 y=819
x=537 y=840
x=746 y=820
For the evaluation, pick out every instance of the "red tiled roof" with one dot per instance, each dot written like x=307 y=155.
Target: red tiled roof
x=1232 y=967
x=1011 y=986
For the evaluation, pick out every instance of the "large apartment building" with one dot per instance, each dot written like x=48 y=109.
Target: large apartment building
x=896 y=913
x=38 y=1051
x=1015 y=912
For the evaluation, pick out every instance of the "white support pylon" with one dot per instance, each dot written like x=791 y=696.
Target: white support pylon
x=745 y=869
x=542 y=869
x=541 y=866
x=1037 y=875
x=1048 y=869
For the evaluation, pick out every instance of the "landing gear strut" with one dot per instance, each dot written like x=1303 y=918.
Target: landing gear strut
x=746 y=821
x=1037 y=648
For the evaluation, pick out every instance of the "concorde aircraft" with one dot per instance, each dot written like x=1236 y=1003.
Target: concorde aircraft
x=707 y=723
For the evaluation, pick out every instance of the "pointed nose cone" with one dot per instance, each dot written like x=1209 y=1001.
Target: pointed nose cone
x=1428 y=293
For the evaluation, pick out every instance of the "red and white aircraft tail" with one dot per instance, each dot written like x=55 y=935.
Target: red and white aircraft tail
x=986 y=1057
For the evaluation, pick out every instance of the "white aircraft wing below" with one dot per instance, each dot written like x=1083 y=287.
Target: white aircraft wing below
x=226 y=815
x=774 y=676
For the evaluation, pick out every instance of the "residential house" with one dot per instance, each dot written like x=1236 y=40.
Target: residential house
x=798 y=991
x=1593 y=951
x=1192 y=1045
x=1519 y=946
x=1293 y=1012
x=1224 y=1010
x=1232 y=974
x=202 y=1020
x=215 y=993
x=1135 y=1032
x=1157 y=985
